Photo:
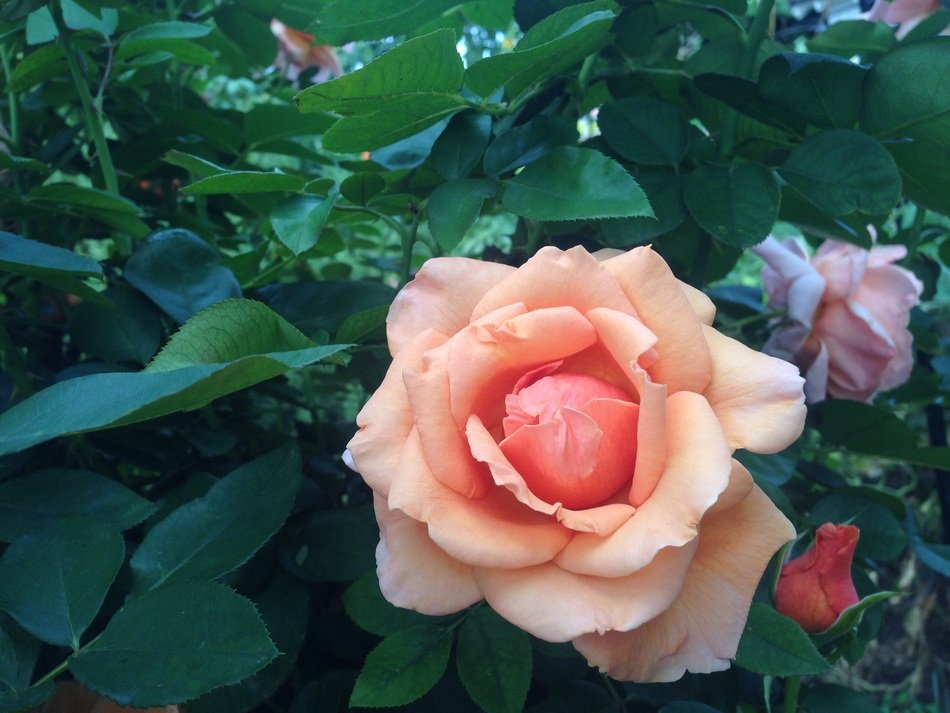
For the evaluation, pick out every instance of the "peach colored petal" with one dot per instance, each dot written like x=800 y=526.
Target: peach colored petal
x=698 y=467
x=552 y=278
x=659 y=300
x=626 y=338
x=386 y=419
x=601 y=520
x=493 y=531
x=758 y=399
x=842 y=265
x=441 y=297
x=584 y=604
x=700 y=632
x=700 y=302
x=416 y=574
x=790 y=278
x=488 y=358
x=651 y=438
x=443 y=442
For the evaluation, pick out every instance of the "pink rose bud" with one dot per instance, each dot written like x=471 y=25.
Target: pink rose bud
x=815 y=588
x=848 y=311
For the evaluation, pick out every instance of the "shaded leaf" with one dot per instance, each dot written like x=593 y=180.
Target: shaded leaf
x=453 y=207
x=494 y=661
x=644 y=130
x=299 y=221
x=774 y=645
x=127 y=327
x=735 y=204
x=341 y=21
x=825 y=90
x=174 y=644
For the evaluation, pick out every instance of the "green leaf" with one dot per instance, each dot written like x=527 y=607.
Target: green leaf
x=861 y=427
x=402 y=117
x=174 y=644
x=851 y=617
x=27 y=699
x=403 y=667
x=361 y=188
x=41 y=27
x=342 y=21
x=97 y=401
x=419 y=69
x=104 y=206
x=527 y=143
x=195 y=164
x=774 y=645
x=214 y=534
x=882 y=537
x=22 y=163
x=245 y=182
x=38 y=66
x=494 y=661
x=825 y=90
x=26 y=503
x=57 y=267
x=362 y=325
x=666 y=198
x=268 y=122
x=283 y=607
x=53 y=581
x=644 y=130
x=743 y=96
x=842 y=171
x=366 y=606
x=850 y=38
x=453 y=207
x=299 y=221
x=548 y=48
x=735 y=204
x=335 y=546
x=832 y=698
x=181 y=273
x=458 y=149
x=776 y=468
x=252 y=34
x=328 y=692
x=78 y=18
x=323 y=306
x=909 y=110
x=573 y=183
x=935 y=556
x=18 y=9
x=126 y=327
x=161 y=37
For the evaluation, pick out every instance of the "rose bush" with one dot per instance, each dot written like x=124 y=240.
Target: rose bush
x=848 y=309
x=557 y=439
x=816 y=587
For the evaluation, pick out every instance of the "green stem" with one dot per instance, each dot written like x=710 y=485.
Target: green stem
x=753 y=41
x=52 y=674
x=12 y=100
x=408 y=239
x=792 y=686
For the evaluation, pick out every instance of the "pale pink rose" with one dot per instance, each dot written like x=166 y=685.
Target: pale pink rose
x=907 y=14
x=557 y=439
x=848 y=310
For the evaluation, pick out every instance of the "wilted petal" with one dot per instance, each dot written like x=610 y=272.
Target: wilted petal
x=555 y=605
x=758 y=399
x=416 y=574
x=441 y=297
x=700 y=631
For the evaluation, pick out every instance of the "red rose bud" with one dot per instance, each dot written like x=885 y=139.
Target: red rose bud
x=816 y=587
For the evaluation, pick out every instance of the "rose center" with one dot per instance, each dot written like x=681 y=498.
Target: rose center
x=572 y=437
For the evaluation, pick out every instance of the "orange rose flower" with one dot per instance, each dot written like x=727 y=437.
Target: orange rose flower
x=815 y=588
x=557 y=439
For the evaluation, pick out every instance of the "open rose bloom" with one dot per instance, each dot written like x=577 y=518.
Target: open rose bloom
x=848 y=310
x=557 y=439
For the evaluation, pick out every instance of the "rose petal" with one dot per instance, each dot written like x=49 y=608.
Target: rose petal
x=659 y=300
x=386 y=419
x=859 y=349
x=584 y=604
x=416 y=574
x=626 y=338
x=552 y=278
x=493 y=531
x=651 y=438
x=758 y=399
x=697 y=471
x=441 y=297
x=601 y=520
x=485 y=361
x=700 y=631
x=791 y=279
x=700 y=302
x=842 y=265
x=816 y=377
